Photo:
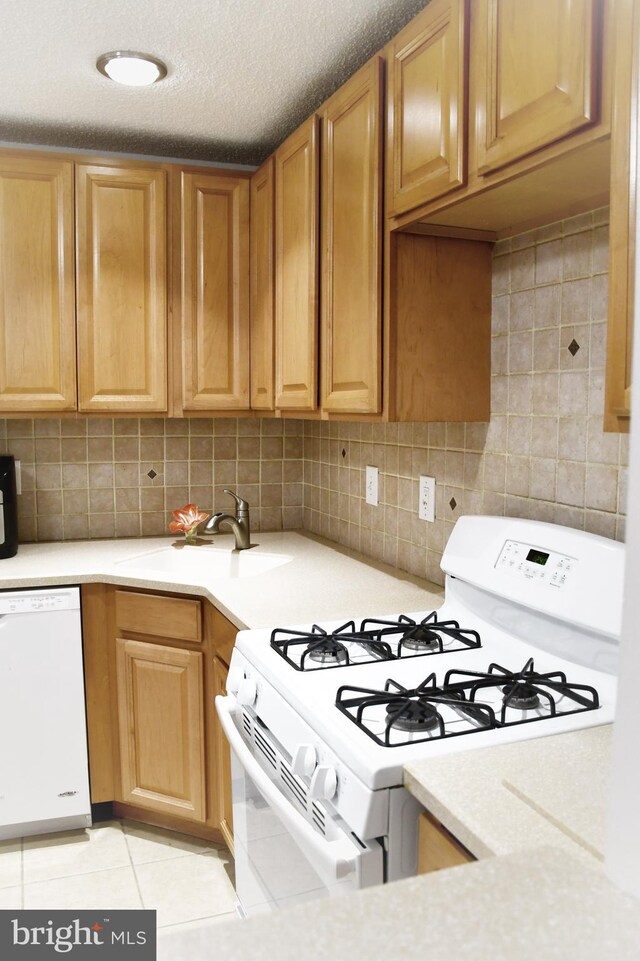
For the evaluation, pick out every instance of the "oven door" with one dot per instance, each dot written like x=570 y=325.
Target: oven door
x=285 y=850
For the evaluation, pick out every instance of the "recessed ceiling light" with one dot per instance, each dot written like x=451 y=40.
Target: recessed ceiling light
x=131 y=68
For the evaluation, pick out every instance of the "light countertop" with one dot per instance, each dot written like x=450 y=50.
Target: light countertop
x=514 y=797
x=316 y=581
x=539 y=906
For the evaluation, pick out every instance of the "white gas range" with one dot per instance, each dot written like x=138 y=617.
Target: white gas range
x=321 y=719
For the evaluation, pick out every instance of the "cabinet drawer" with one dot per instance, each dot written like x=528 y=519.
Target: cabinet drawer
x=175 y=617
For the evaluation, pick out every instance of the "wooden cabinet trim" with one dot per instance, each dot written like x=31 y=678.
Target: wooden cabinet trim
x=262 y=242
x=625 y=169
x=107 y=299
x=178 y=618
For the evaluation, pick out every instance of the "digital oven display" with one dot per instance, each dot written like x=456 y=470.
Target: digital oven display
x=537 y=557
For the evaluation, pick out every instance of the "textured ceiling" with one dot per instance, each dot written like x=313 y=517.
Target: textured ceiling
x=242 y=73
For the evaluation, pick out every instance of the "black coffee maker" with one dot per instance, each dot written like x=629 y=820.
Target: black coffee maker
x=8 y=507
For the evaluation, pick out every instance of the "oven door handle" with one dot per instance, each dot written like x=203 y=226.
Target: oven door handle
x=331 y=859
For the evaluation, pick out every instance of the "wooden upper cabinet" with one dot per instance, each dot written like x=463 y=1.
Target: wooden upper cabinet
x=535 y=75
x=121 y=288
x=624 y=214
x=297 y=196
x=37 y=309
x=161 y=728
x=262 y=287
x=427 y=87
x=351 y=265
x=214 y=290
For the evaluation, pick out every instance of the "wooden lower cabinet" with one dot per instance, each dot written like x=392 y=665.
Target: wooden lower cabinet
x=156 y=748
x=161 y=727
x=437 y=849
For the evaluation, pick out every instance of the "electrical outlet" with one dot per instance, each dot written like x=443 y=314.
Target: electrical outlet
x=427 y=499
x=371 y=485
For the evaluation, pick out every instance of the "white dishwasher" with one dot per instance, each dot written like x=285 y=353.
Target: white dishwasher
x=44 y=771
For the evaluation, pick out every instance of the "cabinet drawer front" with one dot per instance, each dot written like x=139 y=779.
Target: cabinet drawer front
x=174 y=617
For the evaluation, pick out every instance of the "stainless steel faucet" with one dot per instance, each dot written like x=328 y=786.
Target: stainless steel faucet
x=238 y=524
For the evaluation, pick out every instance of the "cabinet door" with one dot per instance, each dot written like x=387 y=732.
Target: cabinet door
x=352 y=245
x=297 y=269
x=37 y=288
x=262 y=287
x=161 y=728
x=214 y=243
x=222 y=787
x=625 y=171
x=536 y=75
x=121 y=288
x=427 y=97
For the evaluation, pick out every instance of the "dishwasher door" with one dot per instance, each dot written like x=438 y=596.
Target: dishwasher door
x=44 y=773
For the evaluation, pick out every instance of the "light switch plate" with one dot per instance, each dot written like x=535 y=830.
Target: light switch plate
x=427 y=499
x=371 y=485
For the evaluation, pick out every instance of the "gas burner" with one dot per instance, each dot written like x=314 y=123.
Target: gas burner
x=327 y=651
x=376 y=640
x=407 y=715
x=536 y=695
x=420 y=638
x=522 y=697
x=423 y=713
x=429 y=636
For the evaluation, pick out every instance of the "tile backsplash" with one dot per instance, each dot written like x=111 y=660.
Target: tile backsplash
x=542 y=455
x=121 y=477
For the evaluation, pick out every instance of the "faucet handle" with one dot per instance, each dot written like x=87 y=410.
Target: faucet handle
x=241 y=504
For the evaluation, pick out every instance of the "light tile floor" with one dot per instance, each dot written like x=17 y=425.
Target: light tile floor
x=120 y=864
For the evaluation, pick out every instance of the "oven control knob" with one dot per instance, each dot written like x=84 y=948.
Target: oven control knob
x=324 y=783
x=234 y=680
x=248 y=692
x=304 y=760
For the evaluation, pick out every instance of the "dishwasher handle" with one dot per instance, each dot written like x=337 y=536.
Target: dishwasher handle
x=331 y=859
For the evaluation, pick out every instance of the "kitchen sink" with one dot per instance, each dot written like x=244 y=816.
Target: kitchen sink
x=185 y=561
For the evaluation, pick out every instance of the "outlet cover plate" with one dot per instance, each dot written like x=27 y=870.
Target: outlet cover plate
x=371 y=486
x=427 y=499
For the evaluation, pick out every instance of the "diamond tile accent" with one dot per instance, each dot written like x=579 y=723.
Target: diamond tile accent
x=152 y=473
x=453 y=503
x=573 y=347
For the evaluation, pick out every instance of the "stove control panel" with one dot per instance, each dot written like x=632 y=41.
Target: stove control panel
x=527 y=562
